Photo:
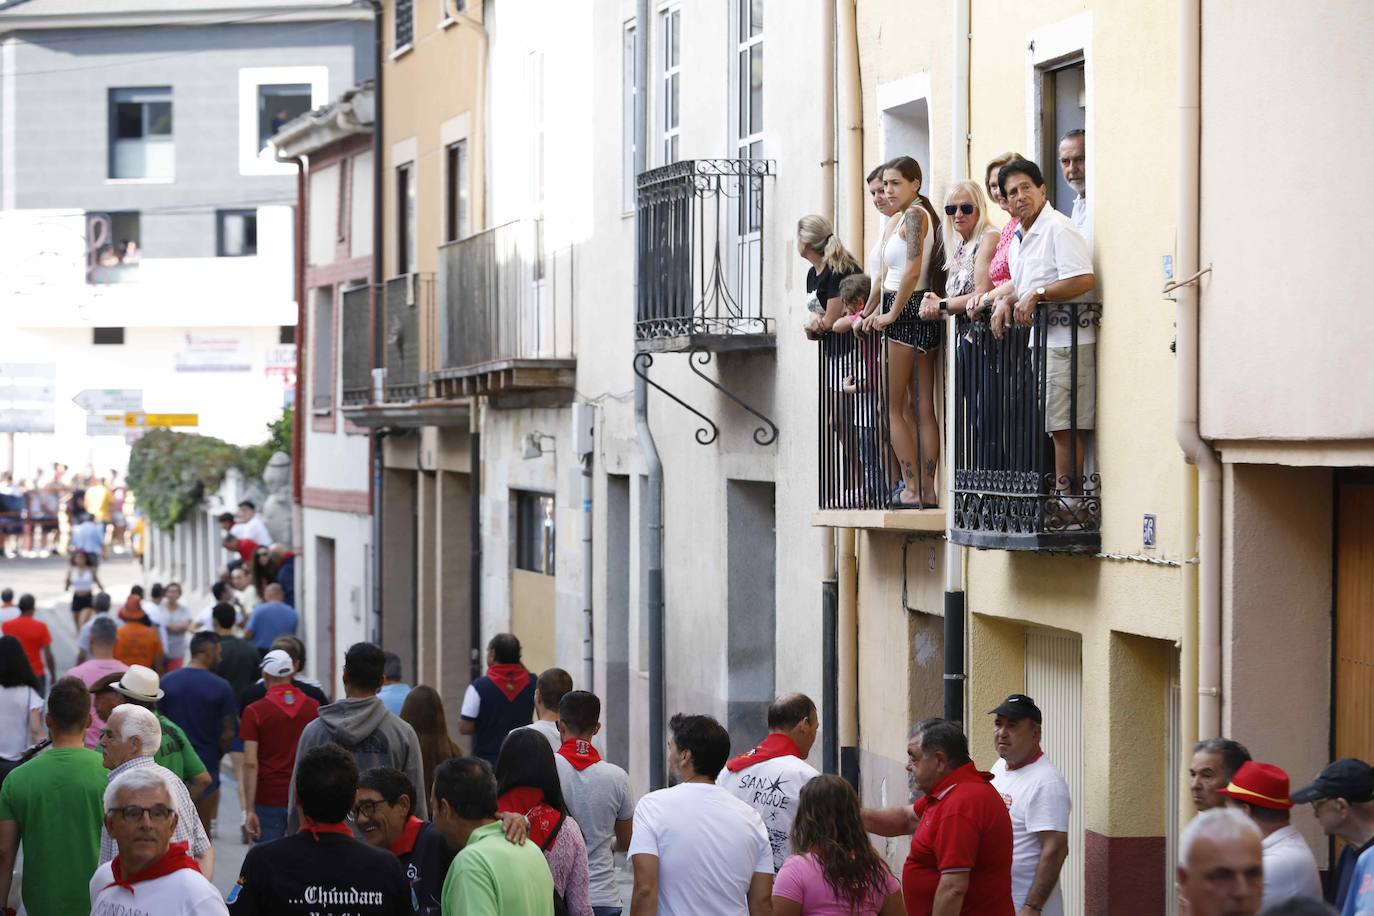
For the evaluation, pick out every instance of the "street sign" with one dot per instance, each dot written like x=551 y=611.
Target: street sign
x=161 y=419
x=106 y=424
x=110 y=400
x=28 y=370
x=16 y=420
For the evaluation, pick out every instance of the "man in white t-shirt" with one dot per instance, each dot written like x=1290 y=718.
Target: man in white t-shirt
x=1073 y=166
x=697 y=850
x=1290 y=869
x=1037 y=798
x=249 y=527
x=769 y=778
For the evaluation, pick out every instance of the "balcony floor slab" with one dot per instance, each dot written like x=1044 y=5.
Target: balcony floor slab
x=1044 y=542
x=927 y=520
x=717 y=343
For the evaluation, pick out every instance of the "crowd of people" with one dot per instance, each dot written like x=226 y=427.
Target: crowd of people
x=924 y=269
x=40 y=515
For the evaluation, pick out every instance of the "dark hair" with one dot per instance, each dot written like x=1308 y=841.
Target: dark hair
x=855 y=286
x=876 y=173
x=363 y=665
x=506 y=648
x=389 y=783
x=68 y=703
x=1019 y=167
x=828 y=826
x=136 y=590
x=248 y=503
x=1232 y=753
x=526 y=761
x=104 y=631
x=391 y=668
x=790 y=711
x=326 y=783
x=26 y=604
x=225 y=615
x=552 y=685
x=1076 y=133
x=102 y=602
x=708 y=741
x=15 y=670
x=218 y=589
x=910 y=169
x=468 y=786
x=580 y=710
x=203 y=641
x=944 y=736
x=225 y=517
x=423 y=710
x=293 y=647
x=156 y=591
x=7 y=595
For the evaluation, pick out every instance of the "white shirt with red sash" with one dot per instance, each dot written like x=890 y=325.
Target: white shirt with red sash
x=769 y=779
x=172 y=886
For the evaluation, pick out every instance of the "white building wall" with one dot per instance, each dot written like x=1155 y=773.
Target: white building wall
x=352 y=536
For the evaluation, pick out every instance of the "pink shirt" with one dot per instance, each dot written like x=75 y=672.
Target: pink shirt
x=91 y=671
x=800 y=879
x=999 y=269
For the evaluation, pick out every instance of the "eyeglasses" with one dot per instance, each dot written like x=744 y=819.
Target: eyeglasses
x=367 y=808
x=132 y=814
x=966 y=209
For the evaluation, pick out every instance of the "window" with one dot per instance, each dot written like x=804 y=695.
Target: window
x=671 y=103
x=456 y=184
x=141 y=133
x=107 y=336
x=236 y=233
x=1063 y=107
x=322 y=353
x=286 y=335
x=405 y=219
x=749 y=101
x=405 y=23
x=278 y=104
x=629 y=96
x=534 y=532
x=113 y=246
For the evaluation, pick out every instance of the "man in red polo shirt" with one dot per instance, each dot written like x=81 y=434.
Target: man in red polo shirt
x=271 y=730
x=960 y=860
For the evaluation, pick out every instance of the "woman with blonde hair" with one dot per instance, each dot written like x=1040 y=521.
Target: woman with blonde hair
x=830 y=263
x=970 y=240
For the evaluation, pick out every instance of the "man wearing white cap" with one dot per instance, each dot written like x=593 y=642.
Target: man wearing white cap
x=271 y=730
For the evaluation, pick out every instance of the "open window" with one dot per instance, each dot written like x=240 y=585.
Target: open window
x=114 y=246
x=236 y=233
x=1063 y=107
x=141 y=134
x=279 y=103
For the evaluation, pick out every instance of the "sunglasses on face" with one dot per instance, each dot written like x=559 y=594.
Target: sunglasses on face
x=966 y=209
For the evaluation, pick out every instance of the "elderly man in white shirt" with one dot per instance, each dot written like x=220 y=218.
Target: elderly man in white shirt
x=1290 y=870
x=1072 y=163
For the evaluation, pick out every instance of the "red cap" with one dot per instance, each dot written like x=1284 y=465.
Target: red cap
x=1260 y=784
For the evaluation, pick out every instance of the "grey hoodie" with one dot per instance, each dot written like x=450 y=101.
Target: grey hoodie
x=375 y=737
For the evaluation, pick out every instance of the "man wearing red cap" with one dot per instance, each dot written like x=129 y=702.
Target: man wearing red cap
x=1261 y=790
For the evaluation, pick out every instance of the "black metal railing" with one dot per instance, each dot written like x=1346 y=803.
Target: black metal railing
x=355 y=355
x=405 y=298
x=505 y=298
x=858 y=467
x=701 y=246
x=1015 y=486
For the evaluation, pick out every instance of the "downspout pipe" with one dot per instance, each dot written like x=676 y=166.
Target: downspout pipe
x=830 y=585
x=475 y=547
x=651 y=506
x=297 y=430
x=852 y=119
x=588 y=656
x=378 y=318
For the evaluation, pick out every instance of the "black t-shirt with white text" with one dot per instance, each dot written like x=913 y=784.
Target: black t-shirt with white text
x=333 y=875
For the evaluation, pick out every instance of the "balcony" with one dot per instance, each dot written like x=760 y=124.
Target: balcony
x=407 y=299
x=506 y=326
x=1014 y=487
x=355 y=356
x=700 y=259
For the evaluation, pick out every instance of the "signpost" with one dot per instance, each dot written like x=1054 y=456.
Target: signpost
x=136 y=418
x=109 y=400
x=27 y=393
x=106 y=424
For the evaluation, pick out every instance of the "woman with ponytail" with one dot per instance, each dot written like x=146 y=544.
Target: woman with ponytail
x=830 y=263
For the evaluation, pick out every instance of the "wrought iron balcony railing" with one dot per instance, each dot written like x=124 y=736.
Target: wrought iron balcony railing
x=355 y=356
x=407 y=298
x=1017 y=486
x=701 y=249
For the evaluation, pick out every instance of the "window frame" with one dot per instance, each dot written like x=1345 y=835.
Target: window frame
x=670 y=84
x=531 y=505
x=112 y=138
x=457 y=195
x=110 y=331
x=324 y=299
x=629 y=98
x=220 y=215
x=397 y=43
x=406 y=228
x=255 y=160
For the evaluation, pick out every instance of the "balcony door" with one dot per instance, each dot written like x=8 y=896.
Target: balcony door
x=744 y=275
x=1353 y=651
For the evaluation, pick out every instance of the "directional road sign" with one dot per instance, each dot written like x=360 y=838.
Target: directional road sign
x=104 y=424
x=15 y=420
x=161 y=419
x=110 y=400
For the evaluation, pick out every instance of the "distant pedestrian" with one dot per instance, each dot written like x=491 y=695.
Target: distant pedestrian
x=361 y=725
x=1342 y=799
x=1290 y=870
x=141 y=687
x=961 y=850
x=239 y=661
x=52 y=804
x=151 y=873
x=697 y=850
x=1220 y=865
x=101 y=606
x=34 y=636
x=1214 y=764
x=284 y=571
x=249 y=525
x=597 y=793
x=138 y=641
x=382 y=811
x=549 y=689
x=82 y=582
x=423 y=711
x=1037 y=798
x=177 y=625
x=527 y=784
x=770 y=777
x=308 y=685
x=394 y=690
x=203 y=704
x=322 y=870
x=21 y=704
x=220 y=593
x=272 y=729
x=271 y=619
x=101 y=665
x=489 y=876
x=500 y=700
x=834 y=868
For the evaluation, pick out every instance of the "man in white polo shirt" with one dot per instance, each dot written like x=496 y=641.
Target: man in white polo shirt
x=1037 y=798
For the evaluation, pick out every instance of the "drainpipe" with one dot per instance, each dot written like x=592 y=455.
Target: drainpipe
x=830 y=585
x=588 y=666
x=829 y=153
x=297 y=431
x=1201 y=586
x=847 y=643
x=378 y=319
x=651 y=507
x=475 y=545
x=852 y=118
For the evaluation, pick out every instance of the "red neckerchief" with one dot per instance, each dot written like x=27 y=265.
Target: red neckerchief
x=510 y=679
x=286 y=698
x=174 y=859
x=316 y=829
x=529 y=801
x=579 y=752
x=1038 y=754
x=775 y=745
x=405 y=843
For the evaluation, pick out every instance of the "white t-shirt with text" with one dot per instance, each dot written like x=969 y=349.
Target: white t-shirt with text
x=1037 y=798
x=184 y=892
x=772 y=788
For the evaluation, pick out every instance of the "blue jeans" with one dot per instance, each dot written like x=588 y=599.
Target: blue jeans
x=272 y=821
x=606 y=911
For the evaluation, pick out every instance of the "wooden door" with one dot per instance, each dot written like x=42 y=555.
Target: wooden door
x=1354 y=645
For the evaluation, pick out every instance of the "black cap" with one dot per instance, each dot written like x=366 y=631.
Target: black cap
x=1350 y=779
x=1018 y=706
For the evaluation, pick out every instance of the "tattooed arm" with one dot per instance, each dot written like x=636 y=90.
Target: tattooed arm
x=915 y=225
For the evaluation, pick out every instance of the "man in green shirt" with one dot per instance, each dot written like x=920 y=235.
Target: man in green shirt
x=53 y=804
x=139 y=685
x=489 y=876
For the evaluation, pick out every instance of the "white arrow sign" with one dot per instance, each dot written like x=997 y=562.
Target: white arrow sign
x=110 y=400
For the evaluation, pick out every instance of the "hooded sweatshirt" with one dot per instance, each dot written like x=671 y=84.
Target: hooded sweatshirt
x=365 y=728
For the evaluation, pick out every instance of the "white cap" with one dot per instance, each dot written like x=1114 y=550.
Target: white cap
x=278 y=664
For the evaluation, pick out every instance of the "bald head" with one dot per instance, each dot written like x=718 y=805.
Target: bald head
x=794 y=715
x=1221 y=865
x=273 y=592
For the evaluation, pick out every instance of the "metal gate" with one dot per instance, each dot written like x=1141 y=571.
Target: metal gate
x=1054 y=679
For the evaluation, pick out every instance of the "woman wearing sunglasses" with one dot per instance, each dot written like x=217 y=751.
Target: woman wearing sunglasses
x=970 y=241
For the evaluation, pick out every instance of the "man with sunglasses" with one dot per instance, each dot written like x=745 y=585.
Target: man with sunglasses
x=150 y=873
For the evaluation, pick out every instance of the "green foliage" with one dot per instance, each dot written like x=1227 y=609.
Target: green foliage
x=170 y=472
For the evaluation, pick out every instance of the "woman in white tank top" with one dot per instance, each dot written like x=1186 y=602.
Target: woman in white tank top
x=82 y=581
x=912 y=266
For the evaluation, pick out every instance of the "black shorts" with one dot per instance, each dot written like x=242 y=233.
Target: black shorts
x=909 y=328
x=81 y=601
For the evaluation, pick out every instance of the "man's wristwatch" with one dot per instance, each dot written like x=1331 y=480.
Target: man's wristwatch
x=1039 y=294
